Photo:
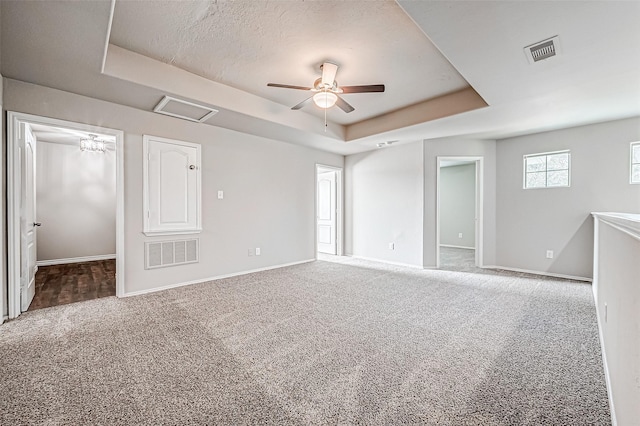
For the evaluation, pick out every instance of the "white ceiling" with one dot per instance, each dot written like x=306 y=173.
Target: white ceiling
x=247 y=44
x=240 y=46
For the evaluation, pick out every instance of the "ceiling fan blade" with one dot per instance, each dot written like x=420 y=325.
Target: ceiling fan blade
x=329 y=71
x=301 y=104
x=363 y=89
x=344 y=105
x=287 y=86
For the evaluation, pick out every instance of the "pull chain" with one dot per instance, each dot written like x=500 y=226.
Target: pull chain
x=325 y=120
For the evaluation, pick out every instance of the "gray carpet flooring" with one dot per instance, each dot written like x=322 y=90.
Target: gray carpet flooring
x=328 y=342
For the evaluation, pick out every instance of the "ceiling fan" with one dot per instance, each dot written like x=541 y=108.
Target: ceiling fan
x=328 y=91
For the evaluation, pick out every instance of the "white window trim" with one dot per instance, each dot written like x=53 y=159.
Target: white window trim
x=631 y=163
x=540 y=154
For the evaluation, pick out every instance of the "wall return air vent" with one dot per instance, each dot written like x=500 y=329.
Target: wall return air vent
x=171 y=253
x=183 y=109
x=543 y=50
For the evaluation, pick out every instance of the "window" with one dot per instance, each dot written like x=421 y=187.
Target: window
x=547 y=170
x=635 y=162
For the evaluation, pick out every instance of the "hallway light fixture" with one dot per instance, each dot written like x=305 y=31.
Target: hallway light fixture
x=92 y=144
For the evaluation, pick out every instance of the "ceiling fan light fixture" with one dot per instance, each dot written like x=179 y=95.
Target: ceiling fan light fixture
x=325 y=99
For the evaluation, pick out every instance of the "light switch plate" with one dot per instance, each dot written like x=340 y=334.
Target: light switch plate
x=220 y=195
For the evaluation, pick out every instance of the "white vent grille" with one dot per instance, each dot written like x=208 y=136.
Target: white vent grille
x=170 y=253
x=183 y=109
x=543 y=50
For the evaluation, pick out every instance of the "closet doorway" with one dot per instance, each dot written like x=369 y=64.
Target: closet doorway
x=459 y=213
x=328 y=210
x=65 y=212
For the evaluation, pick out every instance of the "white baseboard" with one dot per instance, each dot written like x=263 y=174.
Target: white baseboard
x=388 y=262
x=75 y=260
x=218 y=277
x=4 y=318
x=452 y=246
x=607 y=377
x=546 y=274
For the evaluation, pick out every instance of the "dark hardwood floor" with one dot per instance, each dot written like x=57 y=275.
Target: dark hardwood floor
x=74 y=282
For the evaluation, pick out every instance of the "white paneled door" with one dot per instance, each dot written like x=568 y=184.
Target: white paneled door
x=326 y=214
x=28 y=223
x=172 y=186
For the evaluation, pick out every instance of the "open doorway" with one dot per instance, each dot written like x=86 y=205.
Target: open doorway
x=459 y=224
x=65 y=212
x=328 y=210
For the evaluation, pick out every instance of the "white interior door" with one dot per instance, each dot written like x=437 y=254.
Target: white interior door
x=27 y=218
x=326 y=214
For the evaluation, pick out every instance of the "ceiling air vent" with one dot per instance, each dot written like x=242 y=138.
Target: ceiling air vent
x=543 y=50
x=183 y=109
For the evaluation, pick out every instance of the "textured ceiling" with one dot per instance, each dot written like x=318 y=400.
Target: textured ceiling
x=61 y=45
x=247 y=44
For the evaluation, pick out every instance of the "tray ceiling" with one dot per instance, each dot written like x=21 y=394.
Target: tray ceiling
x=246 y=45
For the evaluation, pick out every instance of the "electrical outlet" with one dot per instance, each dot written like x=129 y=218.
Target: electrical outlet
x=257 y=251
x=549 y=254
x=251 y=252
x=460 y=235
x=392 y=246
x=220 y=195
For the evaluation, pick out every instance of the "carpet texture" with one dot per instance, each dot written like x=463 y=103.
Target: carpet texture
x=347 y=342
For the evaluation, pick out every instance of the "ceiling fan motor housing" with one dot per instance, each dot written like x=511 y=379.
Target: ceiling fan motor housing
x=318 y=85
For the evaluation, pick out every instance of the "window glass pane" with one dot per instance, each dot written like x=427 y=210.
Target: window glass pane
x=536 y=164
x=558 y=161
x=536 y=180
x=558 y=178
x=636 y=153
x=635 y=173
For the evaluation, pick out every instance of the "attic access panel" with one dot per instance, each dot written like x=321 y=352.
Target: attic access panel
x=185 y=110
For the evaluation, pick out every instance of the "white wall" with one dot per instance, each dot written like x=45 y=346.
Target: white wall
x=617 y=297
x=3 y=206
x=458 y=205
x=383 y=204
x=452 y=148
x=531 y=221
x=269 y=187
x=79 y=188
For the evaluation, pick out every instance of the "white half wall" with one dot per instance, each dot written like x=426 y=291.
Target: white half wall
x=458 y=205
x=617 y=297
x=75 y=201
x=3 y=205
x=532 y=221
x=383 y=204
x=269 y=187
x=459 y=148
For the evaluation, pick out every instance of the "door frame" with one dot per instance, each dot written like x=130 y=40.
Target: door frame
x=14 y=120
x=479 y=235
x=339 y=204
